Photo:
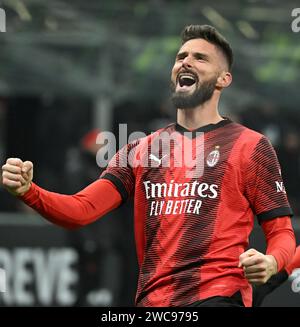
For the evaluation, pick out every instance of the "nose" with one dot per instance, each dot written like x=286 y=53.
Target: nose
x=187 y=62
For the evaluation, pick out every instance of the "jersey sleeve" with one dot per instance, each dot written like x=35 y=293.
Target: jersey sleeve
x=120 y=170
x=264 y=185
x=73 y=211
x=295 y=263
x=280 y=239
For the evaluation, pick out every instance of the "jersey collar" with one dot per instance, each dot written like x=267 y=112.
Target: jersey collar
x=203 y=129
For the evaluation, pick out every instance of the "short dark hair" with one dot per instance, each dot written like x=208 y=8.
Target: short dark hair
x=211 y=35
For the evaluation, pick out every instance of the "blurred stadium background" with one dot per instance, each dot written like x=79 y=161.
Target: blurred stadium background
x=70 y=67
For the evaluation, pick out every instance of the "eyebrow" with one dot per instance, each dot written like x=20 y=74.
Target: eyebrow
x=197 y=55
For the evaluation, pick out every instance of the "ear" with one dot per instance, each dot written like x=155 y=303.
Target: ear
x=224 y=80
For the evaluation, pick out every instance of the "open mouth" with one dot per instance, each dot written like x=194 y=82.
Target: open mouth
x=186 y=80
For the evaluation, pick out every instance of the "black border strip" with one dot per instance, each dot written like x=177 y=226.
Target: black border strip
x=275 y=213
x=115 y=316
x=119 y=185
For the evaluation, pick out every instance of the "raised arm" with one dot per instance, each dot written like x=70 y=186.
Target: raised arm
x=70 y=211
x=280 y=237
x=261 y=291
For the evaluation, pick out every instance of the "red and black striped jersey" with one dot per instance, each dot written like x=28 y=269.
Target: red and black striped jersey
x=195 y=197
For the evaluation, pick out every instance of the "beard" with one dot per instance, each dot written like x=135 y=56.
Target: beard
x=202 y=94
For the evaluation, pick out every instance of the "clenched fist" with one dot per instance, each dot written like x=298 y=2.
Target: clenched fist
x=258 y=267
x=17 y=176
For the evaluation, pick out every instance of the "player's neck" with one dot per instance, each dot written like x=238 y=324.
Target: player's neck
x=200 y=116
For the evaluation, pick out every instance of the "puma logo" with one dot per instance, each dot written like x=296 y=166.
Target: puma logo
x=154 y=158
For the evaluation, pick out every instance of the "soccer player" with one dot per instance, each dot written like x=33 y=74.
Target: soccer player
x=193 y=217
x=261 y=291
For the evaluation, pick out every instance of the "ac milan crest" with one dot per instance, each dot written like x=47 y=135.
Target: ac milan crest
x=213 y=158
